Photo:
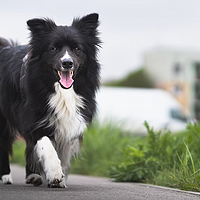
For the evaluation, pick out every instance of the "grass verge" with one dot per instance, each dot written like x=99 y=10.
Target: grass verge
x=163 y=159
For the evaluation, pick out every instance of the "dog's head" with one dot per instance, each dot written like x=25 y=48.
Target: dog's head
x=63 y=50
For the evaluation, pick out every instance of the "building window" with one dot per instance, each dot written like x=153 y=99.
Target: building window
x=197 y=90
x=177 y=69
x=197 y=69
x=197 y=111
x=177 y=90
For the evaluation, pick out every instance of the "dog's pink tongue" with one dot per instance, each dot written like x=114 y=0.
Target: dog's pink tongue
x=66 y=79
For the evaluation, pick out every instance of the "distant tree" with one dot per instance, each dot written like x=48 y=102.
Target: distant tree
x=138 y=78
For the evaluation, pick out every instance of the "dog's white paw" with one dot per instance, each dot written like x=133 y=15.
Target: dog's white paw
x=7 y=179
x=34 y=179
x=57 y=184
x=56 y=178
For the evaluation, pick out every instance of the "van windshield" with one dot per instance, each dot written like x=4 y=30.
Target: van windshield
x=178 y=115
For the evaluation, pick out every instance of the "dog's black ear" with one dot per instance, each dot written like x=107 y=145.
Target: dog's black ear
x=40 y=25
x=87 y=24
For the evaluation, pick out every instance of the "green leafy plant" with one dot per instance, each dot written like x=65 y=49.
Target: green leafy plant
x=144 y=159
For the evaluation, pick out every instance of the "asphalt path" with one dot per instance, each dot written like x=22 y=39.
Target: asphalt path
x=88 y=188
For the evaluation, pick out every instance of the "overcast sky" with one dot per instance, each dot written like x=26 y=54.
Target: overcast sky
x=128 y=28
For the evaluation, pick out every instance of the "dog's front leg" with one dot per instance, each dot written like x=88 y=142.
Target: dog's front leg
x=50 y=162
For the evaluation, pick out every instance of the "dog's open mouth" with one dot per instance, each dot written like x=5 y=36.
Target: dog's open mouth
x=66 y=80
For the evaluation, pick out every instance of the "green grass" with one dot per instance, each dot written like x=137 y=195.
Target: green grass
x=186 y=176
x=18 y=153
x=101 y=148
x=159 y=158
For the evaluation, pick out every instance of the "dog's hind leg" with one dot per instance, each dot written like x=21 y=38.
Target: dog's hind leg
x=5 y=167
x=6 y=141
x=32 y=177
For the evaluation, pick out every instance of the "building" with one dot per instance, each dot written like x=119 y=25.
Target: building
x=178 y=72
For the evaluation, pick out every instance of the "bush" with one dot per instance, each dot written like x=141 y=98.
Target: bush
x=139 y=79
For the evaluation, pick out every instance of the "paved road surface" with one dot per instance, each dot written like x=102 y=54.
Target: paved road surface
x=88 y=188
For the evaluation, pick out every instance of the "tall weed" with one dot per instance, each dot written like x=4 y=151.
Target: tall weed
x=186 y=175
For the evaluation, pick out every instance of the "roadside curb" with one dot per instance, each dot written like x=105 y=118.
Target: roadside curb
x=168 y=188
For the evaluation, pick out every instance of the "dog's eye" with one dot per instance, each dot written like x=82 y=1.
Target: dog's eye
x=77 y=50
x=53 y=49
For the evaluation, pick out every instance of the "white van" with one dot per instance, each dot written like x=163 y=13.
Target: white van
x=131 y=107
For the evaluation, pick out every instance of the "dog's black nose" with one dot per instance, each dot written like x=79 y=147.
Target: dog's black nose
x=67 y=63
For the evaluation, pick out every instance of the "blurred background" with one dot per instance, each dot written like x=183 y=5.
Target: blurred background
x=152 y=44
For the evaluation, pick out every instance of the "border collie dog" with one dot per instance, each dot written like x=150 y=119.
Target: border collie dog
x=47 y=95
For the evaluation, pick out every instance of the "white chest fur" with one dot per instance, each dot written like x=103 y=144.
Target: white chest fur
x=67 y=118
